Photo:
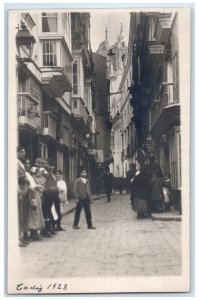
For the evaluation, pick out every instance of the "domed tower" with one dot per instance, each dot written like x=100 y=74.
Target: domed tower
x=104 y=46
x=120 y=49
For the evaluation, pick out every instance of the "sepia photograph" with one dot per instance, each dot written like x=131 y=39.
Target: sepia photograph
x=98 y=150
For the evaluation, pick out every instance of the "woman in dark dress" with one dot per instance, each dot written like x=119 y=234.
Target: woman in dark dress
x=139 y=192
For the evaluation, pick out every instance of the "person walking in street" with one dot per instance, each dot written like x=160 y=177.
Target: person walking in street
x=108 y=181
x=83 y=195
x=139 y=191
x=129 y=175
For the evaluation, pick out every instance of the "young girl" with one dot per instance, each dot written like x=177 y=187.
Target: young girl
x=166 y=191
x=156 y=194
x=62 y=188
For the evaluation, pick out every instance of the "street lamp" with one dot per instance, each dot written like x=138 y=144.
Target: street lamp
x=110 y=52
x=25 y=42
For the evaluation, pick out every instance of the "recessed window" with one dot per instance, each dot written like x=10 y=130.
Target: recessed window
x=49 y=53
x=45 y=121
x=49 y=22
x=75 y=78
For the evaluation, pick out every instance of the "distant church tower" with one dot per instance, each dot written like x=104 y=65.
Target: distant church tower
x=119 y=49
x=104 y=46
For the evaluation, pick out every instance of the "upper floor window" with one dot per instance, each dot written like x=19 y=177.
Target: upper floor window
x=75 y=78
x=49 y=22
x=175 y=78
x=49 y=53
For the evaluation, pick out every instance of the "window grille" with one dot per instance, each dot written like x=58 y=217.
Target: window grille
x=49 y=53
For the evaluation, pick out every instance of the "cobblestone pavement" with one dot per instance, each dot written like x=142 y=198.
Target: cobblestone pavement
x=120 y=246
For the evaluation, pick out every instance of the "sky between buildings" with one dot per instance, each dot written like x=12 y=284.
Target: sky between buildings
x=100 y=19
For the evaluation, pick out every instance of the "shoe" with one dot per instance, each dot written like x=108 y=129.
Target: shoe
x=27 y=239
x=22 y=244
x=37 y=238
x=60 y=229
x=52 y=232
x=47 y=234
x=76 y=227
x=139 y=217
x=91 y=227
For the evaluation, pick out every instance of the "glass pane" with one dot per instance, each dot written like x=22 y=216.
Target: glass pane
x=75 y=89
x=74 y=79
x=45 y=121
x=75 y=68
x=49 y=22
x=49 y=53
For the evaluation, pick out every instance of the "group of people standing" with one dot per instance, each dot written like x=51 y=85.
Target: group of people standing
x=150 y=192
x=41 y=196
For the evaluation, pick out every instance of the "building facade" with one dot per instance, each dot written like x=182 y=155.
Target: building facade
x=55 y=92
x=155 y=93
x=115 y=68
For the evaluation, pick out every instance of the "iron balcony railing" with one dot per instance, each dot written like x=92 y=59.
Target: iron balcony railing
x=165 y=99
x=28 y=112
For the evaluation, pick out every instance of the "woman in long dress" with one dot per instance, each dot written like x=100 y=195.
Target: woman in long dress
x=35 y=220
x=139 y=192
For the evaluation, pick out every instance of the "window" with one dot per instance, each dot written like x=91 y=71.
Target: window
x=43 y=149
x=21 y=106
x=75 y=103
x=49 y=53
x=75 y=78
x=175 y=78
x=175 y=159
x=45 y=121
x=49 y=22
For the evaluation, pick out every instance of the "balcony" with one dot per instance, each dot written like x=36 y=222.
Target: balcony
x=28 y=113
x=55 y=81
x=163 y=28
x=56 y=67
x=151 y=61
x=156 y=52
x=80 y=112
x=49 y=124
x=108 y=157
x=116 y=120
x=165 y=111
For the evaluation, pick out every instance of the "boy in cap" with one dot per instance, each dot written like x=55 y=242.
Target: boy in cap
x=83 y=194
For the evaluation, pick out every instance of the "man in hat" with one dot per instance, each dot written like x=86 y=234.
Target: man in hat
x=108 y=180
x=83 y=194
x=152 y=167
x=129 y=175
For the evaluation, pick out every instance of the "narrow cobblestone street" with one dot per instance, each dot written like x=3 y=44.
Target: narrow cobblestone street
x=120 y=246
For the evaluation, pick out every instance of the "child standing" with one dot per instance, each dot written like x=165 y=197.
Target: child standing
x=62 y=188
x=166 y=192
x=156 y=193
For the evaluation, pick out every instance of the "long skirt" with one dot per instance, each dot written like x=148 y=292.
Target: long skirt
x=23 y=215
x=35 y=211
x=140 y=205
